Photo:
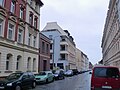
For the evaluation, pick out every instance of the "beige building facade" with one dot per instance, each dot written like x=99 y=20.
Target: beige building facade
x=19 y=48
x=79 y=63
x=111 y=35
x=82 y=61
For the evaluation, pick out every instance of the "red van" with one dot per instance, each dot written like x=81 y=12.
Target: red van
x=105 y=78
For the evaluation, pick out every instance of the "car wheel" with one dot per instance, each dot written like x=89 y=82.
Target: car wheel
x=46 y=80
x=53 y=79
x=61 y=78
x=33 y=84
x=18 y=87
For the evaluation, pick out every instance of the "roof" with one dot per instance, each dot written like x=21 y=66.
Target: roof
x=54 y=26
x=105 y=67
x=39 y=2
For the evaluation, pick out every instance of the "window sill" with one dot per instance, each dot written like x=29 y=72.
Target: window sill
x=8 y=71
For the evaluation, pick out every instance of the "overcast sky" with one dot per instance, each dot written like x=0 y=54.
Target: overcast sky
x=84 y=19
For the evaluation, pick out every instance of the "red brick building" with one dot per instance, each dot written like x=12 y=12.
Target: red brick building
x=13 y=11
x=44 y=53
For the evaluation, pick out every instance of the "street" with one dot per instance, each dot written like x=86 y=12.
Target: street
x=77 y=82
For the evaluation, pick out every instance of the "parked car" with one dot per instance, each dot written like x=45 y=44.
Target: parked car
x=59 y=74
x=18 y=81
x=80 y=72
x=105 y=78
x=75 y=71
x=69 y=73
x=44 y=77
x=83 y=71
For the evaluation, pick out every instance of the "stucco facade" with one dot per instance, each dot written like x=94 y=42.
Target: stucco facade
x=19 y=50
x=79 y=63
x=62 y=46
x=82 y=61
x=111 y=35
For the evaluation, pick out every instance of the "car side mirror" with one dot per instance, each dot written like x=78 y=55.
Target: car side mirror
x=24 y=77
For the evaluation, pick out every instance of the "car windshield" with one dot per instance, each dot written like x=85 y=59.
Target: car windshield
x=42 y=73
x=14 y=76
x=69 y=71
x=106 y=72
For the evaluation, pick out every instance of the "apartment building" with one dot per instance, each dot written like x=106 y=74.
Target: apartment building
x=85 y=61
x=44 y=53
x=82 y=61
x=111 y=35
x=90 y=65
x=62 y=47
x=19 y=35
x=79 y=63
x=32 y=33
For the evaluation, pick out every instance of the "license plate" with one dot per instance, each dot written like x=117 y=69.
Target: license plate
x=1 y=87
x=107 y=87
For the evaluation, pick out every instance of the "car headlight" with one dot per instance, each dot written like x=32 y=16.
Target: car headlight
x=9 y=84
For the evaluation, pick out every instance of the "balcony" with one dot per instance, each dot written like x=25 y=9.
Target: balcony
x=64 y=52
x=63 y=43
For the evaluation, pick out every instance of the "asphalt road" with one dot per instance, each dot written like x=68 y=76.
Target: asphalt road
x=77 y=82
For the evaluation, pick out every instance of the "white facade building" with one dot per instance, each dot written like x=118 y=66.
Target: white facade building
x=111 y=35
x=63 y=49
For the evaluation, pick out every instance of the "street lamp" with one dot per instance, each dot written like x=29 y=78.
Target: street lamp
x=54 y=48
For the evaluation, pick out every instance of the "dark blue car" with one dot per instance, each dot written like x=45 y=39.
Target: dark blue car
x=59 y=74
x=18 y=81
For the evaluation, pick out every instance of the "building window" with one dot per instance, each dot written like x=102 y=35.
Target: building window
x=28 y=63
x=0 y=60
x=10 y=31
x=35 y=22
x=12 y=9
x=2 y=2
x=31 y=1
x=9 y=62
x=47 y=48
x=43 y=47
x=60 y=65
x=51 y=55
x=62 y=47
x=21 y=13
x=63 y=39
x=62 y=56
x=1 y=27
x=18 y=62
x=51 y=45
x=34 y=41
x=34 y=64
x=20 y=35
x=31 y=19
x=29 y=39
x=36 y=5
